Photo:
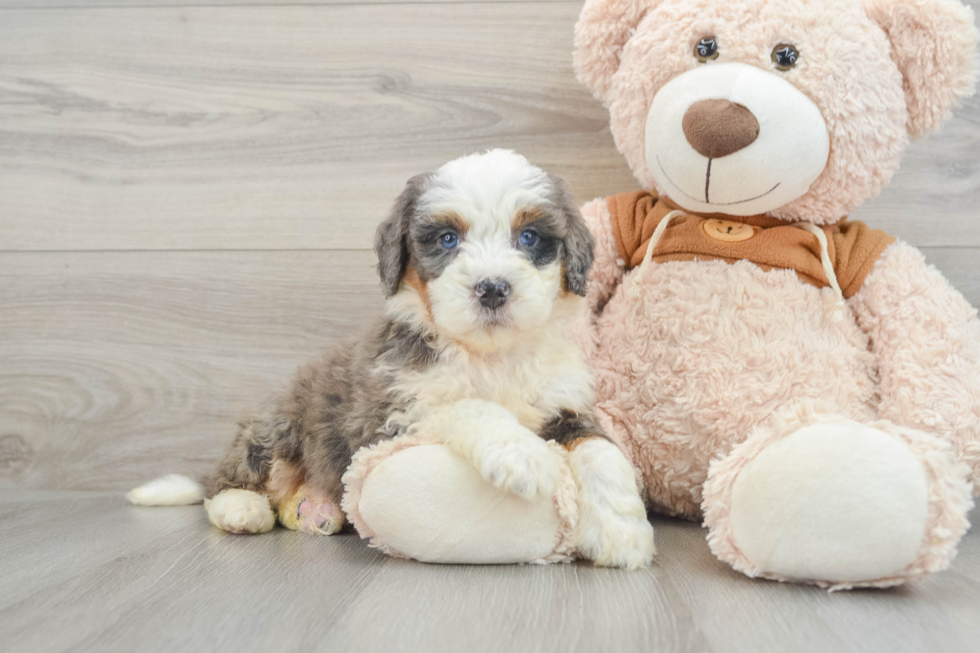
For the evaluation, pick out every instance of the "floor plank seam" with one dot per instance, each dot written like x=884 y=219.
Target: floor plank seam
x=286 y=6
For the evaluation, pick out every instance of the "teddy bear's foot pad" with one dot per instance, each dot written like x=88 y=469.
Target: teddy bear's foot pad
x=430 y=504
x=845 y=503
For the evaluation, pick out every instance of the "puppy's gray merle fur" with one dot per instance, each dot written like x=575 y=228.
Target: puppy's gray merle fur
x=482 y=263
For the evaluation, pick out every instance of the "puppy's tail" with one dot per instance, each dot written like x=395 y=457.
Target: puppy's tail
x=169 y=490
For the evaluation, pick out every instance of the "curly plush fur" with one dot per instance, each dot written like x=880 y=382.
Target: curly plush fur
x=880 y=73
x=710 y=369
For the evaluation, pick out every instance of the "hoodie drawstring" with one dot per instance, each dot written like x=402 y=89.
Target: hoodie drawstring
x=828 y=267
x=634 y=290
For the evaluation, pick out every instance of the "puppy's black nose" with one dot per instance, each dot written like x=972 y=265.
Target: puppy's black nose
x=493 y=293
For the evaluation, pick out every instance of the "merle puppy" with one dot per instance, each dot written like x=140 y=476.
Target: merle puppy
x=483 y=263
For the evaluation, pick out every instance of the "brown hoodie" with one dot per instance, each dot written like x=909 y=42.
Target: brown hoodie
x=768 y=242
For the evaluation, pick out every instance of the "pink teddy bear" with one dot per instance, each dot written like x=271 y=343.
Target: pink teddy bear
x=808 y=386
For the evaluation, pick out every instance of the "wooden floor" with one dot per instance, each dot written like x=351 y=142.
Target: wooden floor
x=188 y=190
x=82 y=571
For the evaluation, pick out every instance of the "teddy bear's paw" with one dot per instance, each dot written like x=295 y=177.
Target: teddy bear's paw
x=309 y=512
x=521 y=463
x=612 y=528
x=240 y=511
x=838 y=503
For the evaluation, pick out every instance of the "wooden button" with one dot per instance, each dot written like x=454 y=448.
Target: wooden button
x=727 y=231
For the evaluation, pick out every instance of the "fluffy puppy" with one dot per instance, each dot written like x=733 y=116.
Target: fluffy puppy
x=483 y=263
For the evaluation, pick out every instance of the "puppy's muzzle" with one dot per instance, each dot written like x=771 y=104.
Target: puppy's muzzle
x=492 y=293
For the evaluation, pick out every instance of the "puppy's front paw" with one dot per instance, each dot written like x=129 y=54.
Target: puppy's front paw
x=613 y=539
x=612 y=528
x=524 y=465
x=507 y=455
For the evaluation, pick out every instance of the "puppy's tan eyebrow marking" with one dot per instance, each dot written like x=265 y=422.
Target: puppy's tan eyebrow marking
x=453 y=220
x=526 y=216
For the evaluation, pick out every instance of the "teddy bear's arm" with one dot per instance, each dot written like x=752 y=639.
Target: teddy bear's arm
x=608 y=268
x=604 y=277
x=926 y=338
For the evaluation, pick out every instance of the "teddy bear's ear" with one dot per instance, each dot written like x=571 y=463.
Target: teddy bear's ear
x=933 y=42
x=602 y=30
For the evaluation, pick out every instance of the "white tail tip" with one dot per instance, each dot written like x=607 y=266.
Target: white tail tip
x=169 y=490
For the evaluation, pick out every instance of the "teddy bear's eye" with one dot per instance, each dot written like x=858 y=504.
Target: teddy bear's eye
x=785 y=56
x=706 y=49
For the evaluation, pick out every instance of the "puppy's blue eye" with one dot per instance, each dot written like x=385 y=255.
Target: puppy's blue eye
x=528 y=238
x=449 y=241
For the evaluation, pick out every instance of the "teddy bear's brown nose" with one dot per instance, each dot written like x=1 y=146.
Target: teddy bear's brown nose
x=717 y=128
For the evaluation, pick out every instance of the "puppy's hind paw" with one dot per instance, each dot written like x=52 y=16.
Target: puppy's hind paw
x=241 y=511
x=309 y=512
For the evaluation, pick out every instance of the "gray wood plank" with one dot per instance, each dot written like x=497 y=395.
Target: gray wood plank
x=291 y=126
x=933 y=198
x=113 y=577
x=116 y=367
x=142 y=4
x=937 y=613
x=199 y=589
x=961 y=265
x=273 y=127
x=294 y=127
x=555 y=608
x=155 y=580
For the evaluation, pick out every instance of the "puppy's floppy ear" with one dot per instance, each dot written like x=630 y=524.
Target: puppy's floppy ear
x=603 y=28
x=578 y=245
x=391 y=239
x=933 y=43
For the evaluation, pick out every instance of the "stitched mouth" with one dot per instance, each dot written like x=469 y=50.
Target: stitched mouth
x=707 y=182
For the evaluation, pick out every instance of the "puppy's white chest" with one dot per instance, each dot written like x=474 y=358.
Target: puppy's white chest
x=533 y=386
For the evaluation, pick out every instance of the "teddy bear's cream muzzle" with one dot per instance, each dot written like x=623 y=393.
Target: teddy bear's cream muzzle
x=736 y=139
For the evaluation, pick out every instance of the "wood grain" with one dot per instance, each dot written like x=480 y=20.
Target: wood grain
x=187 y=193
x=116 y=367
x=114 y=577
x=141 y=4
x=294 y=127
x=935 y=613
x=273 y=127
x=961 y=265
